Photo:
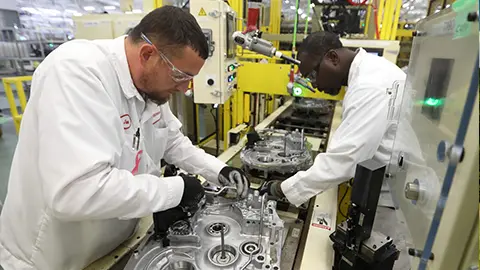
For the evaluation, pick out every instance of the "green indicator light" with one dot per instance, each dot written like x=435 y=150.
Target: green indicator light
x=434 y=102
x=231 y=68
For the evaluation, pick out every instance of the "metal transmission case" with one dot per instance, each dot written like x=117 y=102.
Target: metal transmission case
x=433 y=170
x=254 y=236
x=218 y=78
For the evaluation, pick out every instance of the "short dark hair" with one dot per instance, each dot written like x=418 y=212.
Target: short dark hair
x=171 y=28
x=318 y=43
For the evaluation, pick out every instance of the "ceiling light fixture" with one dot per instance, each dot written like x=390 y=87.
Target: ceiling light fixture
x=136 y=11
x=89 y=8
x=109 y=7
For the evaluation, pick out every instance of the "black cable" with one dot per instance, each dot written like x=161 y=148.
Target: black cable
x=350 y=183
x=186 y=3
x=340 y=203
x=217 y=138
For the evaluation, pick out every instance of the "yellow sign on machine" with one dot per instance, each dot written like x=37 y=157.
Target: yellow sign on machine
x=202 y=12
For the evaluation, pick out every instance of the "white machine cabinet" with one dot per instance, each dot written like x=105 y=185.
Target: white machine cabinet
x=434 y=167
x=218 y=78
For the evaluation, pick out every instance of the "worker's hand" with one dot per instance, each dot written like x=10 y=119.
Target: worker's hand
x=234 y=177
x=273 y=189
x=193 y=193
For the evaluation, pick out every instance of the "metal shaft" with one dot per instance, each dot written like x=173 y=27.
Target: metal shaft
x=260 y=230
x=303 y=138
x=222 y=237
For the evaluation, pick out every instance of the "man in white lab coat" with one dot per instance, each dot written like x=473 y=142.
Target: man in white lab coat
x=96 y=126
x=365 y=131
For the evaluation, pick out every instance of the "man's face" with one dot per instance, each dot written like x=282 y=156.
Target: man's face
x=163 y=75
x=324 y=74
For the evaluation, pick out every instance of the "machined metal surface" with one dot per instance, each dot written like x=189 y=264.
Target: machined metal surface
x=278 y=151
x=253 y=239
x=320 y=106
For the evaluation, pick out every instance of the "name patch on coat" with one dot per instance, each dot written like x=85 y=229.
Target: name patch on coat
x=126 y=121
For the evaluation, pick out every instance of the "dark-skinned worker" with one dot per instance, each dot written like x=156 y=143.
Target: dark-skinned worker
x=364 y=132
x=96 y=126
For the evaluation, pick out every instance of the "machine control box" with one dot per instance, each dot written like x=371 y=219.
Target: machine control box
x=217 y=80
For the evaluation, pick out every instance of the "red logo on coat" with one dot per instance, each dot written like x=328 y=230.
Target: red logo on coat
x=126 y=121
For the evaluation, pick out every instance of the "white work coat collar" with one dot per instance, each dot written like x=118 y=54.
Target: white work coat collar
x=354 y=67
x=120 y=64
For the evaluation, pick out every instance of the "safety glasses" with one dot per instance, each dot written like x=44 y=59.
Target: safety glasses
x=176 y=74
x=312 y=76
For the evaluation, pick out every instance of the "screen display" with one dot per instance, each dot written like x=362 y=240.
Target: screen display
x=230 y=30
x=437 y=86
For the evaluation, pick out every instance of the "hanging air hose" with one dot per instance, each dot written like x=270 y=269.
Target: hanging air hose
x=307 y=19
x=294 y=45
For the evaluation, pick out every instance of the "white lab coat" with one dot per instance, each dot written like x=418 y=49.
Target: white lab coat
x=364 y=133
x=77 y=187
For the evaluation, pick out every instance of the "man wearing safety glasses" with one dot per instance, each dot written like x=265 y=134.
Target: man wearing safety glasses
x=364 y=132
x=96 y=126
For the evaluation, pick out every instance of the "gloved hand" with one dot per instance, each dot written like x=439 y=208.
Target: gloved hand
x=231 y=176
x=193 y=193
x=273 y=189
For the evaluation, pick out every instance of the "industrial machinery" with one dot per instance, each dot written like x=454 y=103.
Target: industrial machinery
x=217 y=80
x=314 y=116
x=433 y=172
x=356 y=246
x=222 y=234
x=276 y=154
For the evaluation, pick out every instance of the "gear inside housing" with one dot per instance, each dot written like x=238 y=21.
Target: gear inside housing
x=253 y=238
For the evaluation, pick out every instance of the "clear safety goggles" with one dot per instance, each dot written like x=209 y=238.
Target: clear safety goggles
x=312 y=76
x=176 y=74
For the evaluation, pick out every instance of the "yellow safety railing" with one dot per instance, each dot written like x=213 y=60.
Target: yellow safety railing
x=7 y=85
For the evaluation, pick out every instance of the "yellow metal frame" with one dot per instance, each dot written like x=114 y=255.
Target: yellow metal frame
x=7 y=85
x=255 y=77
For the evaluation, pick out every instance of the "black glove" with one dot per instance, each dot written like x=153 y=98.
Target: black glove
x=231 y=176
x=164 y=219
x=273 y=189
x=193 y=193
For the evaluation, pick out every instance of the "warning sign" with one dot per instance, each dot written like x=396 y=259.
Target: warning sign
x=322 y=220
x=202 y=12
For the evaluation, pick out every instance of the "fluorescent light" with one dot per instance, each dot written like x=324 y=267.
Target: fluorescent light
x=71 y=11
x=303 y=16
x=128 y=12
x=287 y=2
x=30 y=10
x=77 y=14
x=137 y=11
x=447 y=6
x=292 y=7
x=300 y=11
x=49 y=11
x=89 y=8
x=109 y=7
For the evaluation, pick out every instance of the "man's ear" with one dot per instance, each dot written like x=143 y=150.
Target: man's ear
x=332 y=56
x=146 y=51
